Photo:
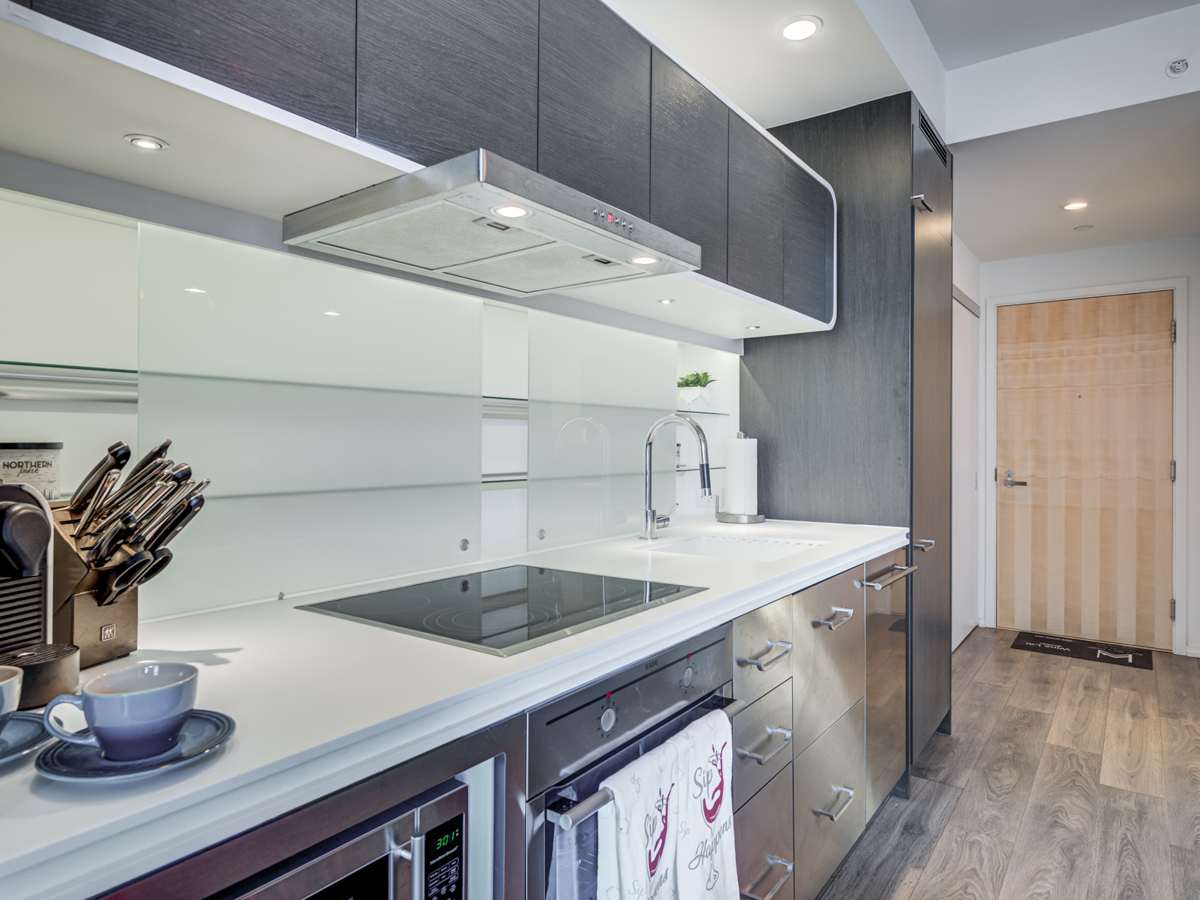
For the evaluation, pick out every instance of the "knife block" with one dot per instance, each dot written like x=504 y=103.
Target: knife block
x=100 y=632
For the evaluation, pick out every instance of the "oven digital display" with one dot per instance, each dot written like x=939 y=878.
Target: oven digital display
x=445 y=862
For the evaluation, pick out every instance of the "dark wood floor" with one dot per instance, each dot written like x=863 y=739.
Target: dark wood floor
x=1063 y=780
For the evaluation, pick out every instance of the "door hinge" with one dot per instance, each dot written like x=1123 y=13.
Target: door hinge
x=1172 y=609
x=1172 y=471
x=1172 y=331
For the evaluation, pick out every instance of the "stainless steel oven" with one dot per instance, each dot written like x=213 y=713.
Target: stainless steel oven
x=416 y=850
x=578 y=740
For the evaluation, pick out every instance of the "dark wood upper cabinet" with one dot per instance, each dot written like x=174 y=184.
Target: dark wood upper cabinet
x=594 y=103
x=294 y=54
x=689 y=163
x=439 y=79
x=759 y=176
x=808 y=237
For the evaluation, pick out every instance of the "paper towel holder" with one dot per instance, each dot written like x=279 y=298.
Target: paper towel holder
x=737 y=518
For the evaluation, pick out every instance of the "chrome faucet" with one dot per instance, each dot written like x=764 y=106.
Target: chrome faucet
x=651 y=521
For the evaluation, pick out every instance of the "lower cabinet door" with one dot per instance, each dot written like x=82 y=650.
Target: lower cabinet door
x=762 y=830
x=829 y=802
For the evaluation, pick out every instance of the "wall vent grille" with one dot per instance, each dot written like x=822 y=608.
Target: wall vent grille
x=938 y=147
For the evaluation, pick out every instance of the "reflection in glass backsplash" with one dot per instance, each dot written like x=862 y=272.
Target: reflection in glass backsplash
x=336 y=411
x=594 y=392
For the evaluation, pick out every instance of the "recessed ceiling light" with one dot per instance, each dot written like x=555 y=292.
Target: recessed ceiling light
x=511 y=212
x=644 y=260
x=146 y=142
x=1076 y=204
x=801 y=28
x=753 y=327
x=332 y=314
x=1083 y=227
x=195 y=290
x=665 y=300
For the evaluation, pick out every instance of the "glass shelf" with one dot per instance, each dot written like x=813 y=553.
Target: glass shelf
x=700 y=412
x=694 y=469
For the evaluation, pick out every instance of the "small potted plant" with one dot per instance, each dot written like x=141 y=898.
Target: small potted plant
x=694 y=391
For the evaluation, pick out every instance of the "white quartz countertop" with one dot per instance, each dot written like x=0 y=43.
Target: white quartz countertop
x=321 y=702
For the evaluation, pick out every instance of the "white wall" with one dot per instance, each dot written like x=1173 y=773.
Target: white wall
x=68 y=297
x=899 y=29
x=966 y=270
x=1130 y=263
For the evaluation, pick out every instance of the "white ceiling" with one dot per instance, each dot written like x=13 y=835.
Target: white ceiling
x=737 y=47
x=61 y=104
x=1137 y=167
x=969 y=31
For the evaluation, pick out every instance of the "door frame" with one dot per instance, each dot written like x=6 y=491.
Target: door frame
x=1179 y=495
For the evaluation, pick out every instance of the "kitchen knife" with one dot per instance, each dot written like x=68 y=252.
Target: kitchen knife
x=100 y=552
x=116 y=458
x=175 y=524
x=163 y=510
x=157 y=453
x=133 y=485
x=102 y=492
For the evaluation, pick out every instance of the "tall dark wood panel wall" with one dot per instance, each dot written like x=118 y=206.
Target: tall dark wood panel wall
x=854 y=424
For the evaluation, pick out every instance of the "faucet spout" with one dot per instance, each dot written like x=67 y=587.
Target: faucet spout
x=651 y=521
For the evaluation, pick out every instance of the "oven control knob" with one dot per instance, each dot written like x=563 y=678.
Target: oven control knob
x=688 y=676
x=608 y=719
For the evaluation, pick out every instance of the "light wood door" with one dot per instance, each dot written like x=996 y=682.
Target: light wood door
x=1084 y=415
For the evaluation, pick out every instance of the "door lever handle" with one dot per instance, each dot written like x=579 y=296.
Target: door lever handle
x=924 y=545
x=921 y=204
x=1008 y=480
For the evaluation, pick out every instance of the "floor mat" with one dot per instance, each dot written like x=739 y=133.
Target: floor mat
x=1078 y=648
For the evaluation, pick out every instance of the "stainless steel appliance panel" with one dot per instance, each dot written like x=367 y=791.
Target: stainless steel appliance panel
x=762 y=739
x=886 y=678
x=762 y=650
x=828 y=802
x=828 y=662
x=433 y=864
x=763 y=833
x=569 y=734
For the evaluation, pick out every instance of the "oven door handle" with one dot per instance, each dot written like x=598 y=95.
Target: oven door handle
x=415 y=854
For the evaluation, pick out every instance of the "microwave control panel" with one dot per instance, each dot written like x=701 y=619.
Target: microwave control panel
x=445 y=860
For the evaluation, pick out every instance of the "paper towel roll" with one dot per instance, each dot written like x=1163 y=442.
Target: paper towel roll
x=741 y=477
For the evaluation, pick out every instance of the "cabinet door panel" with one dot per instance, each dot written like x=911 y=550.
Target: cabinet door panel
x=808 y=239
x=294 y=54
x=594 y=104
x=689 y=163
x=933 y=175
x=758 y=175
x=436 y=80
x=887 y=694
x=929 y=616
x=763 y=837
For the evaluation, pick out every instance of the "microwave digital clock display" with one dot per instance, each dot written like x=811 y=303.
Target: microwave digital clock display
x=445 y=861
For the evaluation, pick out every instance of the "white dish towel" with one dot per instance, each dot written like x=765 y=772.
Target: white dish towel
x=636 y=848
x=706 y=864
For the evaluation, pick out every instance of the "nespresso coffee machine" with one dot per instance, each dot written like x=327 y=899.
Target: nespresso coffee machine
x=26 y=577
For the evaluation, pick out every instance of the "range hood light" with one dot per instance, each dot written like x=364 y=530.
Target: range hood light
x=666 y=300
x=644 y=260
x=332 y=313
x=753 y=327
x=511 y=212
x=195 y=290
x=1076 y=204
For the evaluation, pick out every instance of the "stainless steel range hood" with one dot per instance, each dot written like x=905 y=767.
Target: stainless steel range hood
x=448 y=221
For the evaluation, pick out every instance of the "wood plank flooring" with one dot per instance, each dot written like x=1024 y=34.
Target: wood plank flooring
x=1063 y=780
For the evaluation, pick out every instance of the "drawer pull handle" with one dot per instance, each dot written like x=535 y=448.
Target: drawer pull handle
x=837 y=813
x=766 y=661
x=833 y=621
x=896 y=574
x=772 y=862
x=763 y=758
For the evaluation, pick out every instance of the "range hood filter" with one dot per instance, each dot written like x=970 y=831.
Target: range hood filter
x=439 y=222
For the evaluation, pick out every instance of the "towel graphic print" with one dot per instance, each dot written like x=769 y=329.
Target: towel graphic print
x=709 y=786
x=659 y=843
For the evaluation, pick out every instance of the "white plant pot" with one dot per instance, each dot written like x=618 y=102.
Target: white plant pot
x=694 y=397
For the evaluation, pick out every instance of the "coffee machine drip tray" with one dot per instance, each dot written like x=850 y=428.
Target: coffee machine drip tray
x=504 y=611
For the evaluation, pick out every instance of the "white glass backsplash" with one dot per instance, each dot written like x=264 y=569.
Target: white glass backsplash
x=342 y=448
x=594 y=392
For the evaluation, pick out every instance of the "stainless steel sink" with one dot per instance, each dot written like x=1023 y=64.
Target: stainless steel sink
x=720 y=546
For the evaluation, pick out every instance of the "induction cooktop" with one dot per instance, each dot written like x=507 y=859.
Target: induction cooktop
x=504 y=611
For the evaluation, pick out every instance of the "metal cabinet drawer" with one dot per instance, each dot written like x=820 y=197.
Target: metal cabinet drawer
x=762 y=742
x=763 y=832
x=762 y=649
x=829 y=808
x=886 y=692
x=828 y=657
